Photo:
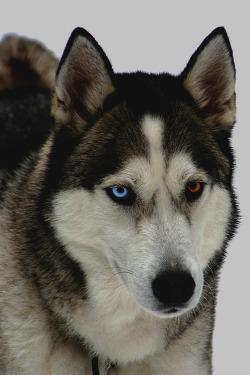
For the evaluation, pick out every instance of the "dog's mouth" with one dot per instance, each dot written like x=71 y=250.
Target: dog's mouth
x=166 y=312
x=173 y=310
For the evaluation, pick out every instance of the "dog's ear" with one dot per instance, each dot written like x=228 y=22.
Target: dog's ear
x=210 y=79
x=83 y=82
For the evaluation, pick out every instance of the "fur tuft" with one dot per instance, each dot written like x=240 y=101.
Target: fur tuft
x=25 y=62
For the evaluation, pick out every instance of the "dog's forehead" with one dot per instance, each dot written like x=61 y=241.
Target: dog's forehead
x=154 y=165
x=180 y=142
x=159 y=162
x=124 y=134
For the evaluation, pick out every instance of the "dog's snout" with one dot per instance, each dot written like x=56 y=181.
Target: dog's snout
x=173 y=288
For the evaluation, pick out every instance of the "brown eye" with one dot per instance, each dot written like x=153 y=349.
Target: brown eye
x=194 y=186
x=194 y=190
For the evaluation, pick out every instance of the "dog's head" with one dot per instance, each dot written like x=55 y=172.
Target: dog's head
x=146 y=186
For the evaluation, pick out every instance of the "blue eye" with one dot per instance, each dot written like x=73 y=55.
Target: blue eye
x=120 y=192
x=121 y=195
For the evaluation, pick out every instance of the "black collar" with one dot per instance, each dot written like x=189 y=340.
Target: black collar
x=95 y=368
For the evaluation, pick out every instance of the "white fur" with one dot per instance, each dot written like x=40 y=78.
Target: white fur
x=179 y=358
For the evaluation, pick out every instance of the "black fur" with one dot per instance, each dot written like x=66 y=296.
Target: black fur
x=25 y=123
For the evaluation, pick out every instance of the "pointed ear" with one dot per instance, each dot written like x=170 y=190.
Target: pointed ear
x=83 y=82
x=210 y=79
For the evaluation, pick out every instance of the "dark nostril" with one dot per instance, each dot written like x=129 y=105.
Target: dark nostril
x=173 y=288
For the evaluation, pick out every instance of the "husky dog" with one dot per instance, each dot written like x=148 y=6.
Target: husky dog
x=115 y=218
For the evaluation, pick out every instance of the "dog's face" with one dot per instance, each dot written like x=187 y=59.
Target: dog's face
x=146 y=190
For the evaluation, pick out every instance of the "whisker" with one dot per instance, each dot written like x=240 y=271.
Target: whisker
x=123 y=271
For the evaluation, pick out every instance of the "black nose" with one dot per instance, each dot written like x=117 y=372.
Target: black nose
x=173 y=288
